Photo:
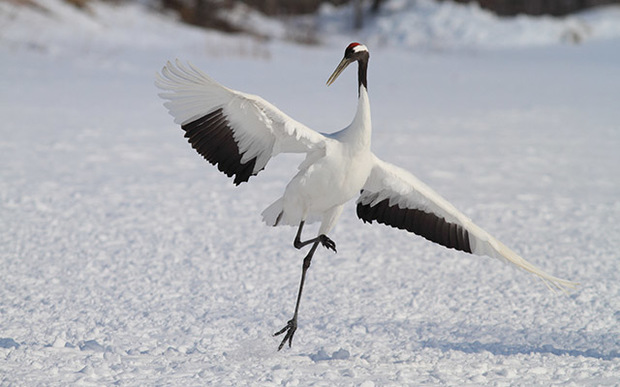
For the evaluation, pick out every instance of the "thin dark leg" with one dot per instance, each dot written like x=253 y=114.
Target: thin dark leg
x=325 y=241
x=297 y=242
x=291 y=325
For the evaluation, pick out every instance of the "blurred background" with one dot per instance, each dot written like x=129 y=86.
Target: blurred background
x=435 y=24
x=212 y=13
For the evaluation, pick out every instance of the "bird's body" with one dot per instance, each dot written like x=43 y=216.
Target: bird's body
x=240 y=133
x=329 y=176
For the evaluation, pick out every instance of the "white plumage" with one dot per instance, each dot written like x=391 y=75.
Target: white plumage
x=260 y=129
x=240 y=133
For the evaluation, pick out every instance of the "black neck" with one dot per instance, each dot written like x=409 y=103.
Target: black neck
x=362 y=70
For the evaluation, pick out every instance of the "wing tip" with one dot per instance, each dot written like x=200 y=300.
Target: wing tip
x=553 y=283
x=565 y=286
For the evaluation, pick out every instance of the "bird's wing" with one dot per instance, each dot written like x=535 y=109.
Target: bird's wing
x=238 y=132
x=396 y=198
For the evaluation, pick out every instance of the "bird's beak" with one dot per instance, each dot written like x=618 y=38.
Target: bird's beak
x=341 y=66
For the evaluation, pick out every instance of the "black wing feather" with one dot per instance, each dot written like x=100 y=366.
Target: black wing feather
x=212 y=138
x=427 y=225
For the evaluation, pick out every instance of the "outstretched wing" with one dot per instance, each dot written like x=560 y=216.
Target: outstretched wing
x=238 y=132
x=394 y=197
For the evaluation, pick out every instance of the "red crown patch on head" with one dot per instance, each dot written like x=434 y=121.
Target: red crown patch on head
x=354 y=44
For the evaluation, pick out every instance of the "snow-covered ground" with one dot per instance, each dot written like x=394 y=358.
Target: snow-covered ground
x=126 y=259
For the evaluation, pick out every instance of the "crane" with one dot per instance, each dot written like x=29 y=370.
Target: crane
x=240 y=133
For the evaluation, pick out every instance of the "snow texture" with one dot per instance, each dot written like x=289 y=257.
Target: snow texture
x=128 y=260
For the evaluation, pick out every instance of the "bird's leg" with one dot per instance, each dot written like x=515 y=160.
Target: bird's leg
x=291 y=325
x=323 y=239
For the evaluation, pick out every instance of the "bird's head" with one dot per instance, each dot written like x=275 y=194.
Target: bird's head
x=355 y=52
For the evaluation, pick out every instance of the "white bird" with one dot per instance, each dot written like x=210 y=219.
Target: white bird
x=240 y=133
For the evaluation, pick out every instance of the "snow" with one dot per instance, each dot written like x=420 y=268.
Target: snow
x=126 y=259
x=448 y=25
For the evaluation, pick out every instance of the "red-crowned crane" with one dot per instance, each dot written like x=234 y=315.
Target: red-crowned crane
x=240 y=133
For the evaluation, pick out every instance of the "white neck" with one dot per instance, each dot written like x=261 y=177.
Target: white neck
x=359 y=131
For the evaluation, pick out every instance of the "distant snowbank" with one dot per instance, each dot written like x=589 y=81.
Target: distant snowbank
x=55 y=27
x=448 y=25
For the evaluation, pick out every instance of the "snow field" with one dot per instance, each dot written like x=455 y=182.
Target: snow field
x=126 y=259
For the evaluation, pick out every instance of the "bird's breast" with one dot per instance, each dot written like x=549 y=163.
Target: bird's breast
x=335 y=178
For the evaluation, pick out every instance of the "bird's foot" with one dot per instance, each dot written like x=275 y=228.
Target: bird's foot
x=327 y=243
x=290 y=328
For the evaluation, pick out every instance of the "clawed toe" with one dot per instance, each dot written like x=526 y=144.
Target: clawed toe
x=327 y=243
x=290 y=328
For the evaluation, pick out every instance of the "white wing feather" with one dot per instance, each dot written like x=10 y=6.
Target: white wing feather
x=401 y=188
x=260 y=129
